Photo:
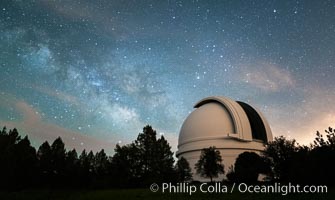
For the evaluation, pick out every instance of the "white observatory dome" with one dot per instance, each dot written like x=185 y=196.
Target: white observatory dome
x=233 y=127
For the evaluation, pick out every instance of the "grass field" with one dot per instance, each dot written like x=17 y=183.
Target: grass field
x=145 y=194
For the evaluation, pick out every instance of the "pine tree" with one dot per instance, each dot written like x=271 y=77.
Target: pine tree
x=71 y=167
x=58 y=156
x=164 y=160
x=183 y=170
x=45 y=162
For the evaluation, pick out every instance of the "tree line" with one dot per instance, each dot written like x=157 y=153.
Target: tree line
x=146 y=160
x=283 y=160
x=149 y=159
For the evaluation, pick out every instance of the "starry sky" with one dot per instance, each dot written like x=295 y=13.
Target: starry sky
x=96 y=72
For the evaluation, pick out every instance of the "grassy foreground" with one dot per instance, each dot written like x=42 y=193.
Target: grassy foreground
x=146 y=194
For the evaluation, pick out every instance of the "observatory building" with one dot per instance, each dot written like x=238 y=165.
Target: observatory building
x=233 y=127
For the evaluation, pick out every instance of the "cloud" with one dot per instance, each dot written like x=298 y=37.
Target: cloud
x=89 y=12
x=300 y=120
x=267 y=77
x=38 y=130
x=58 y=95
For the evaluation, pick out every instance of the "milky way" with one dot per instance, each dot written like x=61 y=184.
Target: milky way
x=96 y=72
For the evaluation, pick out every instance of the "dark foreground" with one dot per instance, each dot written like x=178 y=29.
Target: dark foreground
x=147 y=195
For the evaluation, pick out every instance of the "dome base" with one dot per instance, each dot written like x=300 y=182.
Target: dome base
x=228 y=154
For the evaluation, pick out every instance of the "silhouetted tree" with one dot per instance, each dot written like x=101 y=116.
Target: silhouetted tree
x=248 y=166
x=101 y=169
x=84 y=168
x=291 y=162
x=155 y=156
x=146 y=143
x=22 y=154
x=90 y=161
x=183 y=170
x=101 y=163
x=231 y=176
x=45 y=162
x=127 y=168
x=26 y=156
x=87 y=172
x=321 y=158
x=17 y=160
x=13 y=137
x=300 y=165
x=144 y=161
x=280 y=152
x=210 y=163
x=164 y=161
x=58 y=153
x=329 y=141
x=71 y=167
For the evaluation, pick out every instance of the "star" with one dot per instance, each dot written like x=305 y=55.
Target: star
x=106 y=71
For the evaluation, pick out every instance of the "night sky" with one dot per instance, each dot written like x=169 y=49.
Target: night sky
x=96 y=72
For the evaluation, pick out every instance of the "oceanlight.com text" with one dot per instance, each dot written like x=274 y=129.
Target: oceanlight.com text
x=277 y=188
